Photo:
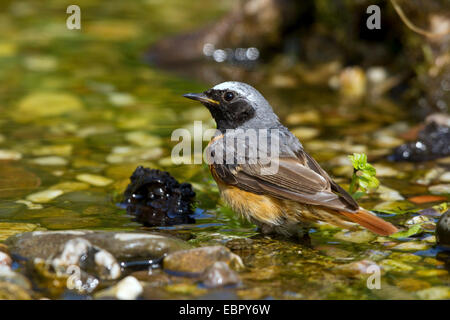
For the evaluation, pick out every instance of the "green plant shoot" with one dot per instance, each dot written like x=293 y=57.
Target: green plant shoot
x=363 y=178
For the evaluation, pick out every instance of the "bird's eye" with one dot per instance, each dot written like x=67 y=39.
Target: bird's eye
x=228 y=96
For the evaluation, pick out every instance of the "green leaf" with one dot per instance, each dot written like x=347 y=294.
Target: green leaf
x=415 y=229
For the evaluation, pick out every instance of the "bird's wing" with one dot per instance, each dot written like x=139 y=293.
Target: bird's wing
x=297 y=178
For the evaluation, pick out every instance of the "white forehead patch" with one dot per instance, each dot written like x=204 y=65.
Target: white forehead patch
x=241 y=88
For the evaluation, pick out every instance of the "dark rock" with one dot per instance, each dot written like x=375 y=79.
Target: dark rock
x=433 y=142
x=157 y=199
x=443 y=230
x=219 y=275
x=122 y=245
x=194 y=262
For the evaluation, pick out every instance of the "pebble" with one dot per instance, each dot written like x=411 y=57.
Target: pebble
x=70 y=186
x=394 y=265
x=41 y=63
x=8 y=229
x=143 y=139
x=305 y=133
x=435 y=293
x=385 y=171
x=388 y=194
x=30 y=205
x=355 y=268
x=430 y=176
x=218 y=275
x=360 y=236
x=411 y=246
x=129 y=288
x=196 y=261
x=5 y=259
x=440 y=189
x=63 y=150
x=310 y=117
x=10 y=155
x=443 y=230
x=130 y=154
x=94 y=180
x=50 y=161
x=121 y=99
x=44 y=196
x=445 y=177
x=46 y=104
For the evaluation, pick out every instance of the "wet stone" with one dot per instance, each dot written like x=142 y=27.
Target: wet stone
x=219 y=274
x=360 y=236
x=128 y=288
x=435 y=293
x=443 y=230
x=8 y=229
x=440 y=189
x=94 y=180
x=356 y=268
x=44 y=196
x=196 y=261
x=411 y=246
x=10 y=155
x=122 y=245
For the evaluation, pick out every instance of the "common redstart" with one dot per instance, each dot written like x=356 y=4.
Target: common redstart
x=299 y=192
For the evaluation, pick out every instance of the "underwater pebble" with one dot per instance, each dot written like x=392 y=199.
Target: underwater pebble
x=311 y=116
x=445 y=177
x=10 y=155
x=411 y=284
x=360 y=236
x=129 y=288
x=387 y=141
x=30 y=205
x=385 y=171
x=432 y=273
x=94 y=180
x=394 y=265
x=70 y=186
x=41 y=63
x=352 y=82
x=355 y=268
x=46 y=104
x=305 y=133
x=44 y=196
x=411 y=246
x=443 y=230
x=394 y=207
x=63 y=150
x=50 y=161
x=143 y=139
x=388 y=194
x=121 y=99
x=5 y=259
x=218 y=275
x=129 y=154
x=430 y=176
x=199 y=259
x=8 y=229
x=434 y=293
x=418 y=220
x=440 y=189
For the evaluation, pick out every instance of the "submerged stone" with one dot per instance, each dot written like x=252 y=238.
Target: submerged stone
x=440 y=189
x=94 y=179
x=196 y=261
x=128 y=288
x=433 y=142
x=435 y=293
x=44 y=196
x=122 y=245
x=155 y=198
x=219 y=275
x=360 y=236
x=443 y=230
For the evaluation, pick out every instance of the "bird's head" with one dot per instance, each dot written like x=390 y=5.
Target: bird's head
x=237 y=105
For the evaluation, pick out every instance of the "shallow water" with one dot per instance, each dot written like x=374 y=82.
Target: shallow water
x=84 y=102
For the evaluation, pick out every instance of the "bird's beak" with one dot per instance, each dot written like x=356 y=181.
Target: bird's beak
x=201 y=97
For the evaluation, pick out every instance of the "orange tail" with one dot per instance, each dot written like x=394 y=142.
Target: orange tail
x=371 y=222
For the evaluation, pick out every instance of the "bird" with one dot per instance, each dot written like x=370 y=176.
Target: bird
x=288 y=200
